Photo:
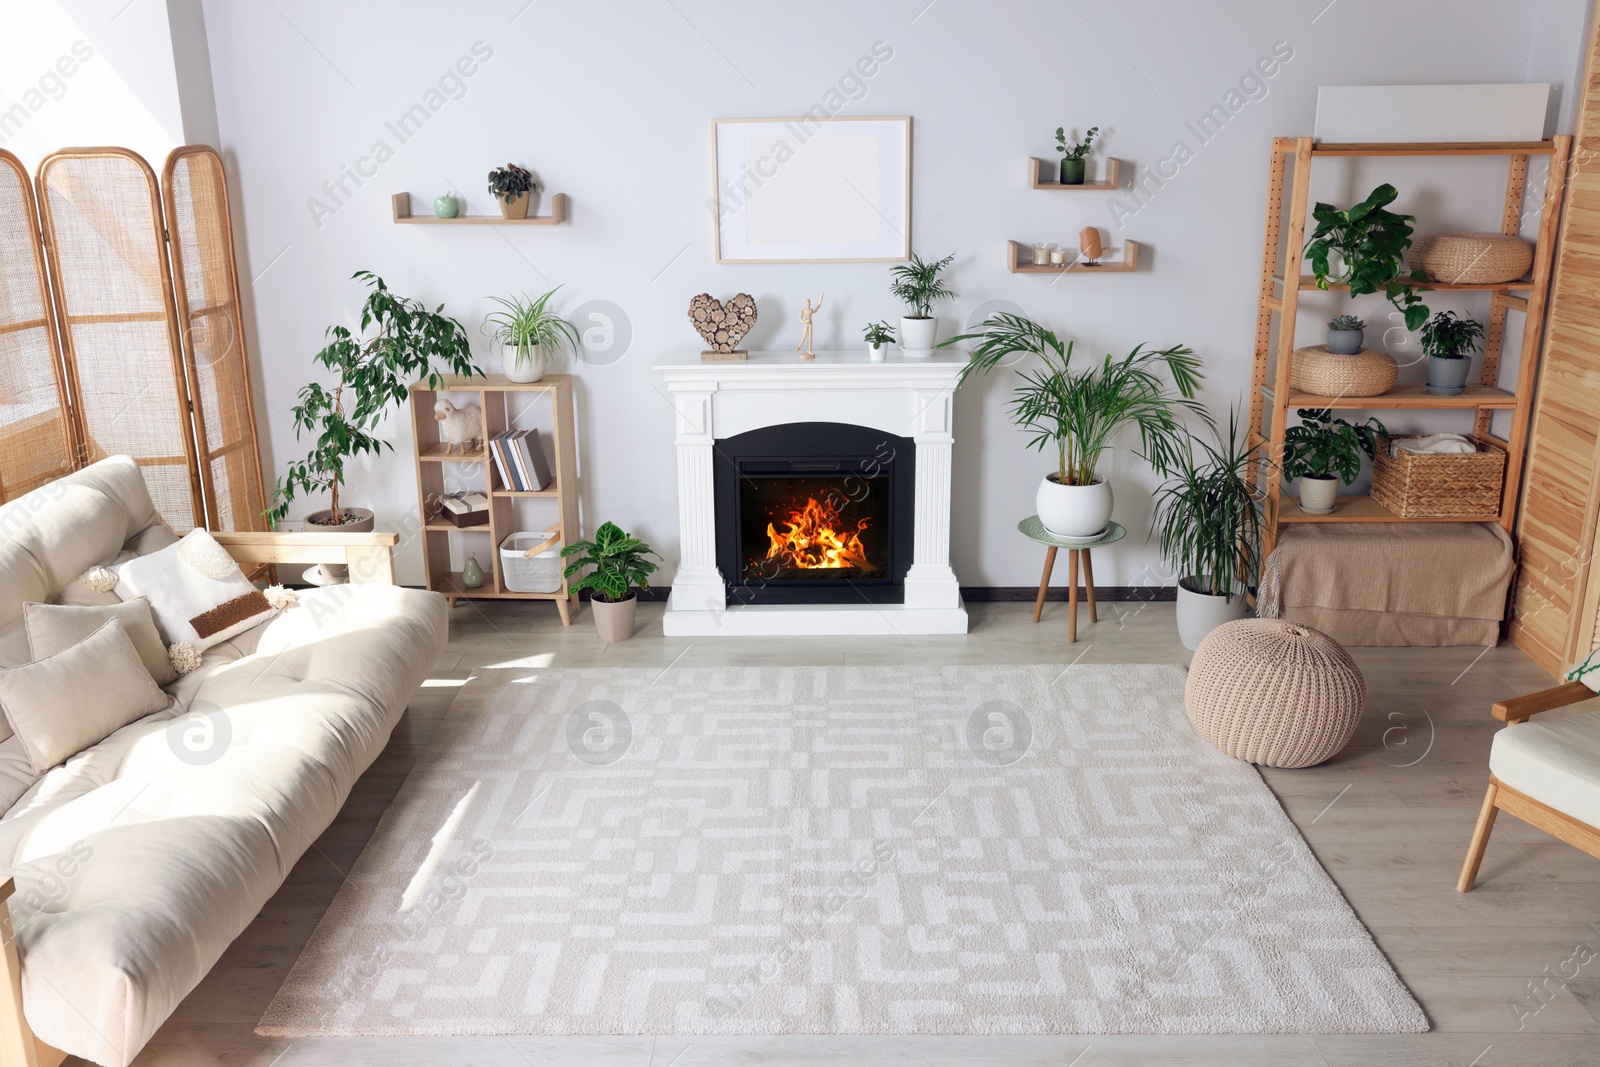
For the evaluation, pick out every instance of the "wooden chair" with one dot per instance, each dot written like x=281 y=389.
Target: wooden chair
x=1567 y=779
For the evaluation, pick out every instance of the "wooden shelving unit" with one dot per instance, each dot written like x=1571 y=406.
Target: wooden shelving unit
x=1113 y=174
x=400 y=204
x=1020 y=261
x=1278 y=303
x=501 y=400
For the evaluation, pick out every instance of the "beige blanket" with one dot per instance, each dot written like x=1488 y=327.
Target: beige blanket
x=1401 y=583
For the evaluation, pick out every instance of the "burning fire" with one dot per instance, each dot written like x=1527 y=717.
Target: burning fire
x=816 y=540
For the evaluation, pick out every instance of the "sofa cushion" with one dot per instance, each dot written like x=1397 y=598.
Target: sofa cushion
x=55 y=628
x=1554 y=761
x=197 y=591
x=63 y=704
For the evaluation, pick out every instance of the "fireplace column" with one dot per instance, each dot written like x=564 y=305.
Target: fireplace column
x=931 y=583
x=698 y=585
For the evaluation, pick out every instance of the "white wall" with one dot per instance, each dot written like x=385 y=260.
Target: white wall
x=611 y=103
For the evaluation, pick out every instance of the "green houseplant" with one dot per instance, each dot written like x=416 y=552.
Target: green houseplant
x=531 y=336
x=877 y=334
x=1324 y=452
x=516 y=190
x=1364 y=246
x=1209 y=519
x=1345 y=334
x=618 y=565
x=1449 y=340
x=920 y=285
x=1079 y=411
x=1073 y=154
x=401 y=342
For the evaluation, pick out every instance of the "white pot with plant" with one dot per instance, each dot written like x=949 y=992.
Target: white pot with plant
x=407 y=341
x=920 y=286
x=532 y=338
x=1364 y=247
x=1209 y=521
x=879 y=337
x=1324 y=453
x=516 y=190
x=1080 y=411
x=618 y=565
x=1449 y=340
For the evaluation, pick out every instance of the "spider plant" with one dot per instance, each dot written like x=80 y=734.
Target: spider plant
x=1210 y=516
x=526 y=322
x=919 y=285
x=1080 y=411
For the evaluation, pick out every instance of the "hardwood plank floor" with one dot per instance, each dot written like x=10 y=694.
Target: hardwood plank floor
x=1389 y=818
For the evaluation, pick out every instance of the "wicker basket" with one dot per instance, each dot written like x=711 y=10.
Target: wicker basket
x=1367 y=373
x=1472 y=258
x=1439 y=485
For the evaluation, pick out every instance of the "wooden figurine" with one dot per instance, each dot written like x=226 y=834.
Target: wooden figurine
x=1089 y=244
x=723 y=326
x=804 y=347
x=460 y=428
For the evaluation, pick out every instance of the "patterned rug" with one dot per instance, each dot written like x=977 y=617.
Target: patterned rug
x=821 y=850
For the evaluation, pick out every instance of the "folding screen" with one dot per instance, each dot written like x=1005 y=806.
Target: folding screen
x=101 y=219
x=35 y=430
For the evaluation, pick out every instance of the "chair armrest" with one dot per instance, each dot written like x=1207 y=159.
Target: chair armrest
x=1521 y=709
x=370 y=556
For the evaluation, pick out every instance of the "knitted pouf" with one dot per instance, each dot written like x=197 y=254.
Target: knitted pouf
x=1270 y=692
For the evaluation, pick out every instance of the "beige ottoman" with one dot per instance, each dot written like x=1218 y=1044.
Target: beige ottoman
x=1274 y=693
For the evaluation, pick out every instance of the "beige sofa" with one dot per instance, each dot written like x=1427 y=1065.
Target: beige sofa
x=138 y=860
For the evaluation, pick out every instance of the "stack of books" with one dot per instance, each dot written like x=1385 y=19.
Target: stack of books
x=520 y=459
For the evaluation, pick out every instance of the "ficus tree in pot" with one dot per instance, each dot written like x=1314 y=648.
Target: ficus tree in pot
x=1078 y=412
x=1371 y=241
x=1449 y=340
x=1324 y=452
x=618 y=565
x=920 y=285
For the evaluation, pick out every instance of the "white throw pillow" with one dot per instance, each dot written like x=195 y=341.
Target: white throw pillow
x=54 y=628
x=196 y=590
x=62 y=704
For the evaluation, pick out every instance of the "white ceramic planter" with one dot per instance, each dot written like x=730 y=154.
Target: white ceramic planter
x=875 y=353
x=1074 y=510
x=1318 y=494
x=918 y=336
x=530 y=368
x=614 y=622
x=1199 y=613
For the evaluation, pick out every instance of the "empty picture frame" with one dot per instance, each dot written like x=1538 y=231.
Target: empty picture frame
x=812 y=190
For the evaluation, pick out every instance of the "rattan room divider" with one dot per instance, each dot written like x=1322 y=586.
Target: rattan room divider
x=144 y=299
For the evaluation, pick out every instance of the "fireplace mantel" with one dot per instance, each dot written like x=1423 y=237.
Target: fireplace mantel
x=717 y=399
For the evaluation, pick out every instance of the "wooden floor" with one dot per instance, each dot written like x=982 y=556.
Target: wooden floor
x=1389 y=819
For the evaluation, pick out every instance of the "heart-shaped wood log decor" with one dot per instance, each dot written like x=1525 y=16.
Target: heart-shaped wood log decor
x=723 y=325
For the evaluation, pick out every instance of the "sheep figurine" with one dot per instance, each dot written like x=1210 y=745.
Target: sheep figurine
x=459 y=427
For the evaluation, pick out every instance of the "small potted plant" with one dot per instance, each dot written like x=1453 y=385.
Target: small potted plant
x=1073 y=154
x=1209 y=520
x=1364 y=247
x=619 y=565
x=1345 y=334
x=531 y=336
x=1449 y=340
x=878 y=334
x=516 y=189
x=1324 y=453
x=920 y=285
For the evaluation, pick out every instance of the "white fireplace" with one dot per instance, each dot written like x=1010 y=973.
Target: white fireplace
x=901 y=409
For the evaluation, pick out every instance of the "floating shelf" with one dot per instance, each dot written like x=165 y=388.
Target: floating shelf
x=401 y=203
x=1036 y=166
x=1403 y=397
x=1353 y=509
x=1021 y=262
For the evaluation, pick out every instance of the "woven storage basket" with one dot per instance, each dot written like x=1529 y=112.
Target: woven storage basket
x=1271 y=692
x=1442 y=485
x=1472 y=258
x=1367 y=373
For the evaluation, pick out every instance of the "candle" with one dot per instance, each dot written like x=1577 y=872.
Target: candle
x=1041 y=254
x=1058 y=257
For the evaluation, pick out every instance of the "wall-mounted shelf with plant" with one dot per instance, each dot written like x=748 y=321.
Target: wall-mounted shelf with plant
x=400 y=204
x=1071 y=170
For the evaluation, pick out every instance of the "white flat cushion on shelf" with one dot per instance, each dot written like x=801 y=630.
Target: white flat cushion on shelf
x=1554 y=761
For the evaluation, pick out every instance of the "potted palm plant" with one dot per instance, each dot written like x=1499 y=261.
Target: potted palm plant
x=531 y=336
x=1209 y=520
x=406 y=342
x=1073 y=154
x=1079 y=412
x=1324 y=452
x=1364 y=247
x=1449 y=340
x=516 y=190
x=619 y=564
x=920 y=285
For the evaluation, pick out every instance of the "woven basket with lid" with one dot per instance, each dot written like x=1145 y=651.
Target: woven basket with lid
x=1472 y=258
x=1367 y=373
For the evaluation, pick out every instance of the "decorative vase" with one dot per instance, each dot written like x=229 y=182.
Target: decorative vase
x=1447 y=375
x=614 y=621
x=875 y=353
x=317 y=522
x=1072 y=171
x=1345 y=342
x=1080 y=511
x=918 y=335
x=446 y=206
x=1200 y=613
x=1318 y=494
x=522 y=364
x=472 y=573
x=517 y=207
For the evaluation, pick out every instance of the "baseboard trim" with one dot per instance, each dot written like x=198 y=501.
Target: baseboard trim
x=1011 y=594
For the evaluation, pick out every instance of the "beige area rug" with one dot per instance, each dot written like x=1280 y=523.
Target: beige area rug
x=822 y=850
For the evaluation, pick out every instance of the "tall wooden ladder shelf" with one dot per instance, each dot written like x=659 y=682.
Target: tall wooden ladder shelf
x=1282 y=282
